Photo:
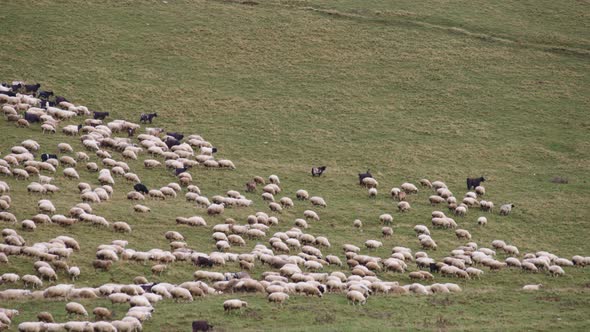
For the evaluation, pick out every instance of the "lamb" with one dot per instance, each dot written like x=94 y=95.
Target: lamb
x=302 y=195
x=506 y=209
x=76 y=308
x=318 y=201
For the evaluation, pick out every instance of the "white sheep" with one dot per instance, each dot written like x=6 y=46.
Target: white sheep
x=373 y=244
x=76 y=308
x=482 y=221
x=386 y=218
x=121 y=226
x=372 y=192
x=318 y=201
x=302 y=195
x=409 y=188
x=309 y=214
x=403 y=206
x=74 y=272
x=506 y=209
x=355 y=297
x=71 y=173
x=234 y=304
x=532 y=287
x=462 y=234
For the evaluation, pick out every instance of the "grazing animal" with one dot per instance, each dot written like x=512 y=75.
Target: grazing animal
x=46 y=156
x=180 y=170
x=318 y=171
x=178 y=136
x=100 y=115
x=202 y=261
x=251 y=186
x=32 y=87
x=59 y=99
x=45 y=94
x=363 y=176
x=32 y=118
x=201 y=325
x=171 y=141
x=140 y=187
x=474 y=182
x=147 y=117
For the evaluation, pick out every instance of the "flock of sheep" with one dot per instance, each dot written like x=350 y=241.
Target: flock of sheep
x=292 y=257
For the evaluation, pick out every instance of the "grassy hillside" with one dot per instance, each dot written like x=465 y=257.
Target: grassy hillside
x=432 y=89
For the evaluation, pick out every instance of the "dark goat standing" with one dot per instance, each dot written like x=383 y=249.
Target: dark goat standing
x=32 y=87
x=100 y=115
x=16 y=87
x=201 y=325
x=59 y=99
x=32 y=118
x=180 y=170
x=318 y=171
x=202 y=261
x=178 y=136
x=46 y=156
x=474 y=182
x=364 y=175
x=140 y=187
x=45 y=103
x=147 y=117
x=170 y=142
x=45 y=94
x=8 y=93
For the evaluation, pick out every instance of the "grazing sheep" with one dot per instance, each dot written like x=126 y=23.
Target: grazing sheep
x=425 y=183
x=31 y=280
x=278 y=297
x=141 y=208
x=386 y=219
x=409 y=188
x=309 y=214
x=230 y=305
x=532 y=287
x=372 y=192
x=71 y=173
x=387 y=231
x=76 y=308
x=506 y=209
x=355 y=297
x=302 y=195
x=482 y=221
x=369 y=182
x=403 y=206
x=122 y=227
x=373 y=244
x=318 y=201
x=462 y=234
x=556 y=270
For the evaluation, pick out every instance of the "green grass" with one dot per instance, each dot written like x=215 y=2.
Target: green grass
x=435 y=89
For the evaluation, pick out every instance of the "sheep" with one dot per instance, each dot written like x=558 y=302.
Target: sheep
x=31 y=280
x=47 y=273
x=355 y=297
x=230 y=305
x=506 y=209
x=369 y=182
x=409 y=188
x=372 y=192
x=556 y=270
x=71 y=173
x=76 y=308
x=403 y=206
x=482 y=221
x=421 y=229
x=309 y=214
x=386 y=219
x=302 y=195
x=511 y=250
x=532 y=287
x=141 y=208
x=74 y=272
x=373 y=244
x=122 y=227
x=278 y=297
x=462 y=234
x=215 y=209
x=31 y=327
x=317 y=201
x=386 y=231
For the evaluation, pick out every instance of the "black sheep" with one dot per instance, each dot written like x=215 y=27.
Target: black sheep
x=8 y=93
x=32 y=118
x=46 y=156
x=178 y=136
x=318 y=171
x=140 y=187
x=59 y=99
x=16 y=87
x=180 y=170
x=170 y=142
x=364 y=175
x=474 y=182
x=201 y=325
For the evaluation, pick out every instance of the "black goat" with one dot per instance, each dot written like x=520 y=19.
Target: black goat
x=59 y=99
x=170 y=142
x=364 y=175
x=202 y=261
x=178 y=136
x=148 y=287
x=32 y=118
x=100 y=115
x=16 y=87
x=140 y=187
x=474 y=182
x=201 y=325
x=46 y=156
x=180 y=170
x=147 y=117
x=318 y=171
x=45 y=94
x=32 y=87
x=45 y=103
x=8 y=93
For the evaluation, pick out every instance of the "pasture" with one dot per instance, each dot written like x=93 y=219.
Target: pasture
x=440 y=90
